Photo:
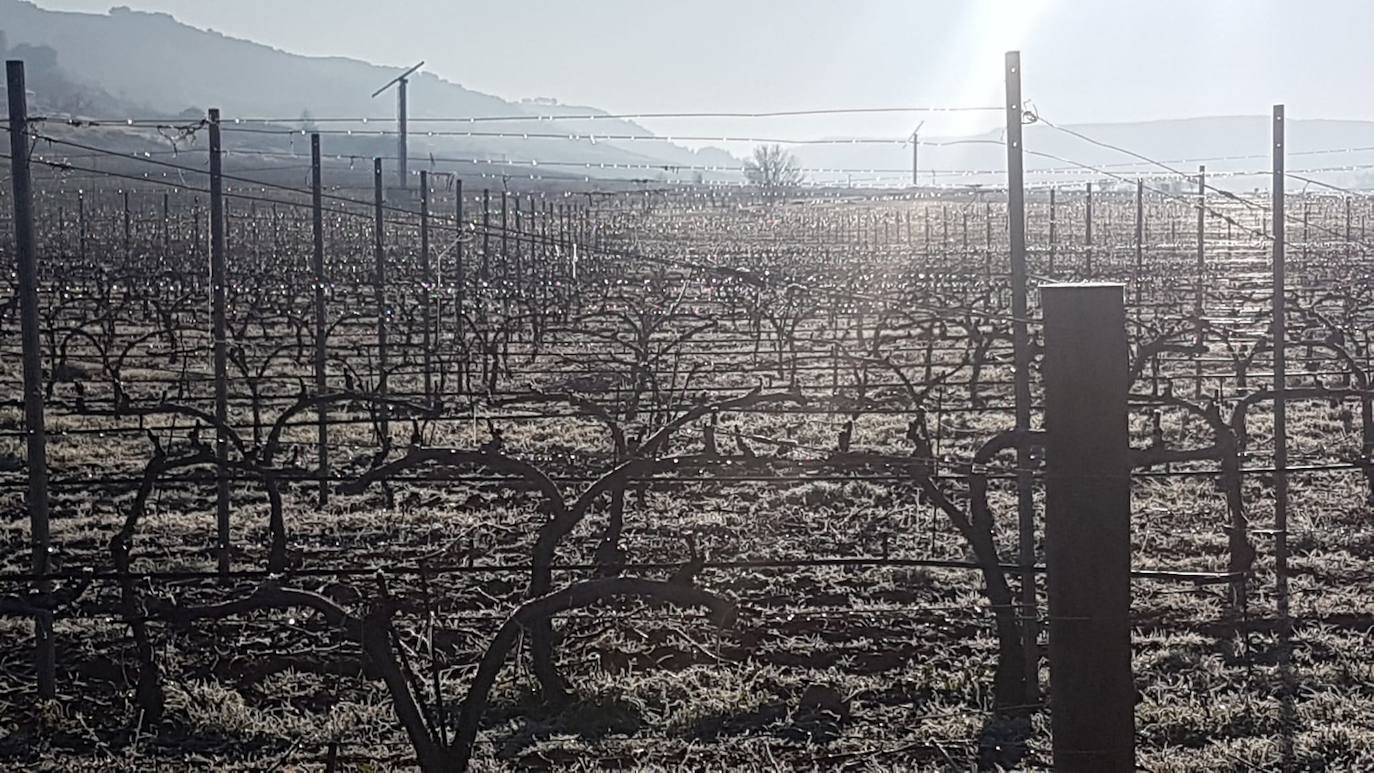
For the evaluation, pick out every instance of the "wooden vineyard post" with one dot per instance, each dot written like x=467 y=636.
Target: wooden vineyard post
x=1016 y=225
x=321 y=321
x=379 y=294
x=218 y=281
x=1087 y=527
x=35 y=429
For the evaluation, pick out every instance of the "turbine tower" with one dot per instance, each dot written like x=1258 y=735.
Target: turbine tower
x=400 y=81
x=915 y=152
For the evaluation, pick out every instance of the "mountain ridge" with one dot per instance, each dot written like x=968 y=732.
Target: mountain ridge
x=251 y=79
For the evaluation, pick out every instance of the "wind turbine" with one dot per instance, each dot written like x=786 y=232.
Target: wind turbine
x=915 y=152
x=400 y=82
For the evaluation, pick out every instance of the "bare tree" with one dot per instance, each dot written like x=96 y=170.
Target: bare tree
x=772 y=168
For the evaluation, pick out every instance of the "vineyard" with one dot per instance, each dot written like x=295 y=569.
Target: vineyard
x=539 y=475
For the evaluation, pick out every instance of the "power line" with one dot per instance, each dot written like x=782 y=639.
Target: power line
x=555 y=117
x=593 y=138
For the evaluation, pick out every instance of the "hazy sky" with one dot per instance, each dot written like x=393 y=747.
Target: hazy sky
x=1085 y=60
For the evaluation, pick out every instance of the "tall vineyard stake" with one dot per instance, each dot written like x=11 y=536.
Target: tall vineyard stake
x=987 y=226
x=944 y=235
x=1088 y=234
x=1281 y=420
x=426 y=279
x=1053 y=244
x=505 y=256
x=166 y=224
x=1347 y=227
x=1306 y=237
x=484 y=278
x=1025 y=502
x=541 y=288
x=518 y=262
x=552 y=267
x=486 y=236
x=564 y=242
x=321 y=323
x=379 y=294
x=128 y=227
x=460 y=281
x=1088 y=527
x=218 y=280
x=1198 y=302
x=925 y=245
x=81 y=224
x=586 y=225
x=35 y=430
x=1139 y=235
x=437 y=294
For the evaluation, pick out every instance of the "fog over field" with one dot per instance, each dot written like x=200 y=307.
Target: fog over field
x=1175 y=80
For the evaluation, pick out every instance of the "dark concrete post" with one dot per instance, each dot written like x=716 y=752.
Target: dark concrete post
x=1087 y=527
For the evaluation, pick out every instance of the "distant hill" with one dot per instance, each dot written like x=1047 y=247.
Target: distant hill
x=53 y=88
x=133 y=60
